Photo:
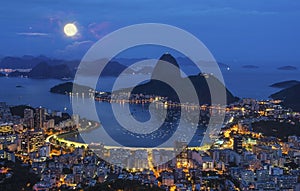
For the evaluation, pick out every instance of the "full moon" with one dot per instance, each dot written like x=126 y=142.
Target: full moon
x=70 y=29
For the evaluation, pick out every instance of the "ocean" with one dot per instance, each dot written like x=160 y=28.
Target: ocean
x=244 y=83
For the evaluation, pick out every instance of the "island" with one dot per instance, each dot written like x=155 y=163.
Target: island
x=250 y=67
x=287 y=68
x=67 y=88
x=285 y=84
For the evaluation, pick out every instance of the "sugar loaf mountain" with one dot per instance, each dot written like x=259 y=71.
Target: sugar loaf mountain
x=160 y=88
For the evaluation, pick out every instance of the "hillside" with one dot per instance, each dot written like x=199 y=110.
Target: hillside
x=156 y=87
x=290 y=97
x=43 y=70
x=68 y=87
x=112 y=68
x=28 y=62
x=285 y=84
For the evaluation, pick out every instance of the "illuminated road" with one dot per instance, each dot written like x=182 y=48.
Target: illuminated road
x=77 y=144
x=151 y=167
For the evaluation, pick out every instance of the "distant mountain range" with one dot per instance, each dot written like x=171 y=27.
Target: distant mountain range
x=44 y=70
x=189 y=62
x=29 y=62
x=182 y=60
x=114 y=68
x=44 y=67
x=159 y=88
x=290 y=97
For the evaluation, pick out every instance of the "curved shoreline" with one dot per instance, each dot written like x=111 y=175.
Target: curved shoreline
x=62 y=137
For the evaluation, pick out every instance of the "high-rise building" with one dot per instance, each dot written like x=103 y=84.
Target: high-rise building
x=238 y=144
x=39 y=118
x=36 y=141
x=7 y=136
x=44 y=151
x=24 y=143
x=29 y=118
x=181 y=151
x=50 y=124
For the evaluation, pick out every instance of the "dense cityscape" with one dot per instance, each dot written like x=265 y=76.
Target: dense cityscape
x=248 y=154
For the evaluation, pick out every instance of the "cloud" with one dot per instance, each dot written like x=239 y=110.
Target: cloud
x=98 y=29
x=32 y=34
x=75 y=50
x=78 y=44
x=230 y=10
x=256 y=12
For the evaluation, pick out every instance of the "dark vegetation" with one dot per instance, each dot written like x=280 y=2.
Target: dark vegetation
x=19 y=110
x=22 y=178
x=125 y=185
x=277 y=129
x=67 y=87
x=290 y=97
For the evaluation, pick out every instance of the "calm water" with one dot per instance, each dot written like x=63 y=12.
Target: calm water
x=252 y=83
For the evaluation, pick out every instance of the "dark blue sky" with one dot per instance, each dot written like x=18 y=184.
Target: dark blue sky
x=233 y=30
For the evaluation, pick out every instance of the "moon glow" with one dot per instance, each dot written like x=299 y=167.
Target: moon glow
x=70 y=29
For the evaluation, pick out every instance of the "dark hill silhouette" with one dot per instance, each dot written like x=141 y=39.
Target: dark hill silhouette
x=290 y=97
x=44 y=67
x=43 y=70
x=67 y=87
x=161 y=67
x=19 y=110
x=28 y=62
x=285 y=84
x=112 y=68
x=21 y=62
x=159 y=88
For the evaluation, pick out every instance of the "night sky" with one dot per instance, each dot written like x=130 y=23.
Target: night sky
x=233 y=30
